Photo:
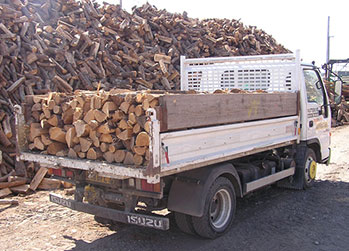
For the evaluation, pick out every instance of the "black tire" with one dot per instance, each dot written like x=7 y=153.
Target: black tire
x=184 y=223
x=305 y=157
x=219 y=211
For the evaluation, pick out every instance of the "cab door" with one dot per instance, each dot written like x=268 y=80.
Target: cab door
x=318 y=112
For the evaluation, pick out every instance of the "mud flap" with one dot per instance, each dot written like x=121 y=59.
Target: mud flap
x=296 y=181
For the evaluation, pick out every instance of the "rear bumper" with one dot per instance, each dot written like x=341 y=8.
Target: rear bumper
x=157 y=222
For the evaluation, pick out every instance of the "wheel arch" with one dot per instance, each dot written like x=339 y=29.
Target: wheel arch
x=314 y=144
x=188 y=190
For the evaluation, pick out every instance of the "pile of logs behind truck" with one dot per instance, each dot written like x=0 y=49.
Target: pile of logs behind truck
x=239 y=124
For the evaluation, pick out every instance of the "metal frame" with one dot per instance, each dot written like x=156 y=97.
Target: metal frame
x=251 y=186
x=263 y=72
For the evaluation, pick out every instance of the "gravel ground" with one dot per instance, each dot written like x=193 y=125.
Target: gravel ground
x=269 y=219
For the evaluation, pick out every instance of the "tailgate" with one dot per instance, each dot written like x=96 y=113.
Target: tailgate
x=102 y=168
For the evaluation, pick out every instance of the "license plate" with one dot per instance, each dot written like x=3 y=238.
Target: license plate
x=61 y=201
x=145 y=221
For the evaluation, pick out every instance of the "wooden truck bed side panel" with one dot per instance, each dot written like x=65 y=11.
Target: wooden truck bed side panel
x=199 y=110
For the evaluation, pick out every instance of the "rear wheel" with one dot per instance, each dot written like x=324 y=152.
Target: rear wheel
x=219 y=210
x=185 y=223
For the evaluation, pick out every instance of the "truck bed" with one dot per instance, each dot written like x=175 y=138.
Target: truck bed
x=188 y=149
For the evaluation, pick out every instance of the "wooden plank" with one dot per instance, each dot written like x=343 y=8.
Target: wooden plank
x=8 y=202
x=49 y=184
x=12 y=183
x=195 y=110
x=38 y=178
x=21 y=189
x=4 y=192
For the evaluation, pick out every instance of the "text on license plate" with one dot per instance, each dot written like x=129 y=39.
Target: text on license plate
x=145 y=221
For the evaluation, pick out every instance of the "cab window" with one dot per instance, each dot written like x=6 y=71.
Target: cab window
x=315 y=93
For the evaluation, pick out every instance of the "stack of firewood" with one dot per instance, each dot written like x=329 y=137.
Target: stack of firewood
x=66 y=45
x=110 y=126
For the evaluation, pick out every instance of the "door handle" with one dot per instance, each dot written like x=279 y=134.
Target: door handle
x=311 y=123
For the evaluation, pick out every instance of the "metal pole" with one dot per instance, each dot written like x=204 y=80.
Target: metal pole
x=121 y=4
x=328 y=49
x=328 y=41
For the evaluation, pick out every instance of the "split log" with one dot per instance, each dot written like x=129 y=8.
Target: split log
x=109 y=107
x=45 y=139
x=138 y=160
x=55 y=147
x=72 y=154
x=94 y=153
x=128 y=159
x=100 y=116
x=81 y=128
x=106 y=138
x=142 y=139
x=119 y=156
x=53 y=120
x=85 y=144
x=139 y=150
x=38 y=144
x=109 y=157
x=35 y=131
x=57 y=134
x=70 y=136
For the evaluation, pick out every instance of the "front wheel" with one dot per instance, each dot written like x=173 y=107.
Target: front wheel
x=309 y=168
x=219 y=211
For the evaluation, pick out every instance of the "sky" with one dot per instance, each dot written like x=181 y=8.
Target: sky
x=296 y=24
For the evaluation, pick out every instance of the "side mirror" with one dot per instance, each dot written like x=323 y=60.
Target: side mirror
x=337 y=92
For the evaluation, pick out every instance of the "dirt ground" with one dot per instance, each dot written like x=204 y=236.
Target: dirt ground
x=270 y=219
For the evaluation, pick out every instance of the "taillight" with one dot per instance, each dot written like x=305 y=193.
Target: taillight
x=150 y=187
x=61 y=172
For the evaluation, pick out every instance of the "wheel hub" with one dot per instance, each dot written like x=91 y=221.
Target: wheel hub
x=312 y=170
x=220 y=208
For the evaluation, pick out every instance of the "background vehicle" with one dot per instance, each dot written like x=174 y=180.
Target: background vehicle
x=198 y=173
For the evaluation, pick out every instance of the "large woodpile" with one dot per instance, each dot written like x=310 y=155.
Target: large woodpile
x=66 y=45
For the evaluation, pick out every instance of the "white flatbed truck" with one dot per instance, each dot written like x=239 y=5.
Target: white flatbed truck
x=197 y=173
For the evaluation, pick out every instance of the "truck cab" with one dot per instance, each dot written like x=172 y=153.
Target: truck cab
x=316 y=113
